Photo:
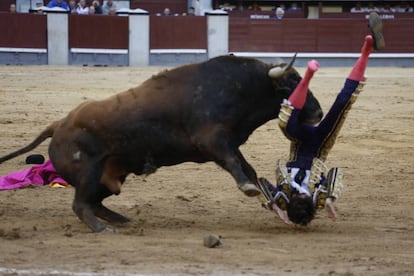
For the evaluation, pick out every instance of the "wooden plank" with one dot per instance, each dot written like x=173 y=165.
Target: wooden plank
x=23 y=30
x=175 y=32
x=333 y=35
x=98 y=31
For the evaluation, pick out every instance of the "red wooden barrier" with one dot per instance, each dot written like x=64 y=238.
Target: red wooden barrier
x=190 y=32
x=23 y=30
x=178 y=32
x=248 y=13
x=322 y=35
x=98 y=31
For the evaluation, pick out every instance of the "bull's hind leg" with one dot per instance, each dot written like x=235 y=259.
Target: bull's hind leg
x=86 y=213
x=88 y=206
x=88 y=197
x=112 y=178
x=113 y=175
x=103 y=212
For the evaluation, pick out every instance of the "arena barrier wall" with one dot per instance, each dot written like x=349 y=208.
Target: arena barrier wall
x=173 y=42
x=140 y=39
x=23 y=39
x=328 y=35
x=98 y=40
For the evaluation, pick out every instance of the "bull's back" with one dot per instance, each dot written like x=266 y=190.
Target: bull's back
x=162 y=114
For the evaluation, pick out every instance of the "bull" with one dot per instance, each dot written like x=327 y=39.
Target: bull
x=194 y=113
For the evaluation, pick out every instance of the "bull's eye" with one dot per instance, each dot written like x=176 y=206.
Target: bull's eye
x=293 y=82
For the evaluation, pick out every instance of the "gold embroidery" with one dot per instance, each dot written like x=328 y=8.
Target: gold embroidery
x=331 y=138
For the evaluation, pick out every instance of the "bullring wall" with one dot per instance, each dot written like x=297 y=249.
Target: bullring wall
x=105 y=40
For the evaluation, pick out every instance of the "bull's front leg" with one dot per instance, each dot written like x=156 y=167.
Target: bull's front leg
x=217 y=145
x=245 y=176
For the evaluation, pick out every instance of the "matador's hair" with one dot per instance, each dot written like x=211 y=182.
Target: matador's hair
x=301 y=210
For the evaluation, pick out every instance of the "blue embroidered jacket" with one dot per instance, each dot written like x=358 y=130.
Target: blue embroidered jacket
x=309 y=141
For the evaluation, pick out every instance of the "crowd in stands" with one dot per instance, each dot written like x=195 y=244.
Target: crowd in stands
x=370 y=7
x=82 y=7
x=167 y=12
x=90 y=7
x=108 y=7
x=226 y=6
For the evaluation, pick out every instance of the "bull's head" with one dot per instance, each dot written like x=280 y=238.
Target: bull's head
x=286 y=78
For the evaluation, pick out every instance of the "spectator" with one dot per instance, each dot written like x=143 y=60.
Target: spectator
x=39 y=4
x=82 y=7
x=72 y=6
x=227 y=7
x=97 y=6
x=239 y=6
x=12 y=8
x=112 y=11
x=191 y=11
x=358 y=8
x=405 y=7
x=387 y=9
x=58 y=3
x=282 y=6
x=279 y=13
x=166 y=12
x=371 y=8
x=92 y=10
x=294 y=7
x=38 y=7
x=107 y=6
x=255 y=7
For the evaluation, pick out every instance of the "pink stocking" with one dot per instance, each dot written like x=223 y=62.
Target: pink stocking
x=298 y=97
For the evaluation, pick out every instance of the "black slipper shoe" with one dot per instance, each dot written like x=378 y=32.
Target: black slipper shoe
x=35 y=159
x=375 y=25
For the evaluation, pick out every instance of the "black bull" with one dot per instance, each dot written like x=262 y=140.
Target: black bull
x=198 y=112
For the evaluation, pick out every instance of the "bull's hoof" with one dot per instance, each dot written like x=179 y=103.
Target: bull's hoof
x=102 y=228
x=109 y=215
x=109 y=229
x=249 y=189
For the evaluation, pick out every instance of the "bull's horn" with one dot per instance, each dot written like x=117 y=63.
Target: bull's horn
x=291 y=63
x=278 y=72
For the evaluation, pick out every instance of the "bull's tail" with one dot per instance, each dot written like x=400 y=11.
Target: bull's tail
x=48 y=132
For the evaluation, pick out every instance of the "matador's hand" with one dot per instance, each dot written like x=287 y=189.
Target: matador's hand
x=282 y=214
x=330 y=208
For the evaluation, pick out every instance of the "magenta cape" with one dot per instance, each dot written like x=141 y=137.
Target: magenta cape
x=37 y=175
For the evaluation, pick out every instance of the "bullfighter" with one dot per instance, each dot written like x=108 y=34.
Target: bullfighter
x=306 y=184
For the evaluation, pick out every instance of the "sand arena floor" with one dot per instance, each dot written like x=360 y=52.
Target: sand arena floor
x=174 y=208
